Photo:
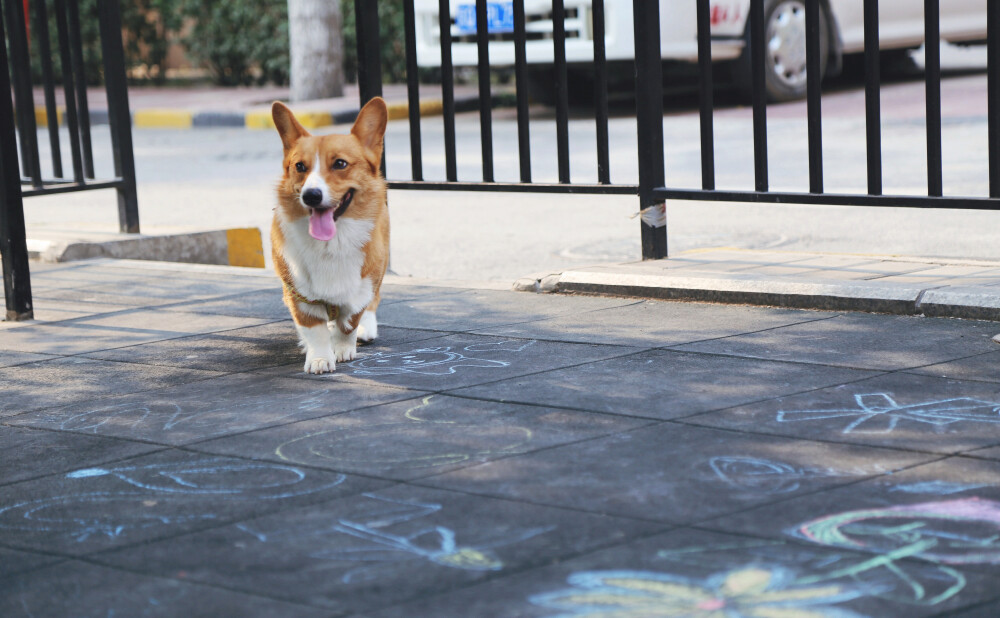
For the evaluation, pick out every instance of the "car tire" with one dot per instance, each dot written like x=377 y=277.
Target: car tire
x=784 y=53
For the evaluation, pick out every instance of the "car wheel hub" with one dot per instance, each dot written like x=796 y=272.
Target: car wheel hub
x=786 y=43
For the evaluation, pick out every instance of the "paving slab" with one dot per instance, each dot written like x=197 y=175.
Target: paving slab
x=458 y=360
x=224 y=406
x=77 y=588
x=420 y=437
x=657 y=323
x=688 y=572
x=479 y=309
x=63 y=381
x=157 y=496
x=372 y=550
x=31 y=453
x=664 y=384
x=9 y=358
x=862 y=341
x=982 y=367
x=259 y=304
x=897 y=410
x=944 y=512
x=15 y=561
x=674 y=473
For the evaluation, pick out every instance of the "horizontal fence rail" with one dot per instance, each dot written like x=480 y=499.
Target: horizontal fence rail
x=51 y=33
x=454 y=21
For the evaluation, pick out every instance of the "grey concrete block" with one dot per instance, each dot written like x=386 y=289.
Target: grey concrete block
x=979 y=303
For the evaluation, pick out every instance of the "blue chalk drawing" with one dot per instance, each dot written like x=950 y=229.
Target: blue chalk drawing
x=763 y=475
x=150 y=502
x=940 y=488
x=225 y=417
x=436 y=361
x=880 y=413
x=382 y=547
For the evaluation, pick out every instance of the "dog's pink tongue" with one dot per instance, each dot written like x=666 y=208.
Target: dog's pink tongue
x=322 y=225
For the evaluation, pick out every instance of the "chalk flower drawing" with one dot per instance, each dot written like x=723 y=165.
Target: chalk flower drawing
x=880 y=413
x=751 y=591
x=433 y=361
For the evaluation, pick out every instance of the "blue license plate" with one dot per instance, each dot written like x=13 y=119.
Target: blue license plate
x=499 y=17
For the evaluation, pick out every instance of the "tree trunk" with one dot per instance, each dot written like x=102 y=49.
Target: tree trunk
x=317 y=50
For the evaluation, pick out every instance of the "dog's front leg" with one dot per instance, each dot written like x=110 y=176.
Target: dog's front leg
x=345 y=337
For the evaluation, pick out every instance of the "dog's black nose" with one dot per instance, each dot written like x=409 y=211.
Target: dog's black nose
x=312 y=197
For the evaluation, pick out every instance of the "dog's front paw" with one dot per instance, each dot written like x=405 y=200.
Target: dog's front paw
x=368 y=327
x=319 y=365
x=345 y=352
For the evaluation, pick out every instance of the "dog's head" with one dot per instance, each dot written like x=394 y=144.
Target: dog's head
x=331 y=176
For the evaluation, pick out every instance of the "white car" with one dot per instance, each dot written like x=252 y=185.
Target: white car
x=901 y=25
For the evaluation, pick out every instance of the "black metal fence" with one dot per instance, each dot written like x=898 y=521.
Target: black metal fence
x=652 y=189
x=23 y=176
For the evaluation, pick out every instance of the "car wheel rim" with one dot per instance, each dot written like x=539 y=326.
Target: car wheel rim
x=786 y=44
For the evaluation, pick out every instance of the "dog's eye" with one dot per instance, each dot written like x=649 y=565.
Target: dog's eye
x=300 y=167
x=339 y=164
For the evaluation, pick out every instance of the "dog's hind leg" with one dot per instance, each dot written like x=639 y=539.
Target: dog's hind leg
x=368 y=325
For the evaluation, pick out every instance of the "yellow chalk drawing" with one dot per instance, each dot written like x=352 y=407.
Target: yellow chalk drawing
x=751 y=591
x=408 y=444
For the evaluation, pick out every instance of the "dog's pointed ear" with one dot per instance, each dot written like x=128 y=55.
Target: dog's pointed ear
x=288 y=127
x=369 y=128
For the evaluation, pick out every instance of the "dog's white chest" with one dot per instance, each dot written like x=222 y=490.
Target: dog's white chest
x=331 y=270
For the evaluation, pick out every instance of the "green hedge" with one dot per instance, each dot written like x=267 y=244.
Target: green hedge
x=242 y=42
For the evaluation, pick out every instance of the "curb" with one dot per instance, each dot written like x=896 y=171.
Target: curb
x=231 y=247
x=864 y=296
x=164 y=118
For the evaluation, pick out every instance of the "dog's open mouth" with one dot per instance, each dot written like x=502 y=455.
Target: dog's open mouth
x=323 y=221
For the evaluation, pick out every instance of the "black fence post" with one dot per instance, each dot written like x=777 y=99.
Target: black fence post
x=119 y=117
x=369 y=53
x=13 y=246
x=649 y=118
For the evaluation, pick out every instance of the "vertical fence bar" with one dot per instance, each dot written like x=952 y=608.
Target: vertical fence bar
x=68 y=89
x=649 y=119
x=873 y=108
x=447 y=90
x=413 y=90
x=24 y=102
x=759 y=95
x=119 y=120
x=13 y=246
x=993 y=86
x=601 y=94
x=706 y=95
x=521 y=83
x=562 y=95
x=48 y=84
x=814 y=80
x=369 y=55
x=80 y=78
x=485 y=97
x=932 y=75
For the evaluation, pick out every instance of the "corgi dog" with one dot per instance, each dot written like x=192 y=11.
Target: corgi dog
x=330 y=233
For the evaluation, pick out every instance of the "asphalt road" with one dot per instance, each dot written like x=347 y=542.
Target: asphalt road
x=215 y=178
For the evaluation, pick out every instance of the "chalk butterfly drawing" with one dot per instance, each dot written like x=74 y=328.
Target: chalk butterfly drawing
x=380 y=546
x=880 y=413
x=147 y=503
x=436 y=361
x=750 y=591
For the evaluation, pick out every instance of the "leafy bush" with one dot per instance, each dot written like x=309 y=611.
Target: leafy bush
x=148 y=26
x=393 y=41
x=242 y=42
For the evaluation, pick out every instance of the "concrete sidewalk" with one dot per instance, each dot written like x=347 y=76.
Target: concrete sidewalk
x=839 y=282
x=250 y=107
x=492 y=454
